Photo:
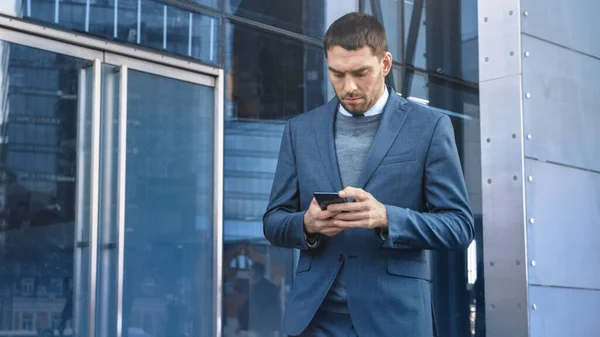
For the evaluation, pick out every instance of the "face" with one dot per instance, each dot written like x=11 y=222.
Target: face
x=357 y=76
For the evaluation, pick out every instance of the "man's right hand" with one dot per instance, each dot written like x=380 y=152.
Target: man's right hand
x=318 y=221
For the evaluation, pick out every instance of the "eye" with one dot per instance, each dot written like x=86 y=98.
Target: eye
x=338 y=75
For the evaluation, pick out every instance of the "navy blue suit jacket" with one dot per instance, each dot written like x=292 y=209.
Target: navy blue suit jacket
x=412 y=168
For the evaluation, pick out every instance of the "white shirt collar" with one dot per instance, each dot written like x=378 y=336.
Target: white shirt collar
x=376 y=109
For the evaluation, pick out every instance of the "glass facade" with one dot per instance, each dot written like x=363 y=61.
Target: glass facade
x=38 y=163
x=274 y=69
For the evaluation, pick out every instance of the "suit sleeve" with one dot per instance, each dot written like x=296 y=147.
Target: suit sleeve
x=449 y=222
x=283 y=222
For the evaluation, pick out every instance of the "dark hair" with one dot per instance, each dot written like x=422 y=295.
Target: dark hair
x=354 y=31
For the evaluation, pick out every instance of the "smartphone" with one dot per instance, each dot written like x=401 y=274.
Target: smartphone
x=325 y=199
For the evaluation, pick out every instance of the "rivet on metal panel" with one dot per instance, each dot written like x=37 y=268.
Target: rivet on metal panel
x=514 y=135
x=534 y=306
x=485 y=19
x=493 y=306
x=492 y=263
x=519 y=305
x=533 y=263
x=528 y=136
x=518 y=263
x=525 y=13
x=527 y=54
x=489 y=181
x=512 y=53
x=488 y=140
x=487 y=59
x=515 y=178
x=528 y=95
x=531 y=220
x=530 y=178
x=510 y=13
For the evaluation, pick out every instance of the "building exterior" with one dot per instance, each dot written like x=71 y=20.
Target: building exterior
x=139 y=140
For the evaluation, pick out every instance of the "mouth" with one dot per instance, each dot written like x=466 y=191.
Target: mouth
x=352 y=100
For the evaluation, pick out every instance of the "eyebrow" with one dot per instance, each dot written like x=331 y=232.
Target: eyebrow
x=359 y=70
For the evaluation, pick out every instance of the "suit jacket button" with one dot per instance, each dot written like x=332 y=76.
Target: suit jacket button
x=341 y=257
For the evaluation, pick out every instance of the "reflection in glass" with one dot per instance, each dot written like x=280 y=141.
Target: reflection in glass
x=270 y=77
x=38 y=158
x=148 y=23
x=168 y=272
x=307 y=17
x=267 y=78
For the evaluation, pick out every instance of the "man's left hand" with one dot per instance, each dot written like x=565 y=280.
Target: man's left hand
x=365 y=212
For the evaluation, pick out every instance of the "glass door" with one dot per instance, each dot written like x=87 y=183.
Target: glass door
x=157 y=202
x=46 y=167
x=110 y=195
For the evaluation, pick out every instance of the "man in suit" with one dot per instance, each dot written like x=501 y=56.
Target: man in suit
x=363 y=269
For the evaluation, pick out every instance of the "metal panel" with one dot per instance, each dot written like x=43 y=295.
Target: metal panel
x=562 y=312
x=564 y=205
x=505 y=270
x=160 y=70
x=499 y=39
x=561 y=112
x=573 y=24
x=32 y=41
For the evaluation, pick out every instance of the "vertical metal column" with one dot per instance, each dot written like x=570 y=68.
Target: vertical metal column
x=87 y=15
x=218 y=203
x=116 y=19
x=502 y=169
x=106 y=225
x=80 y=198
x=94 y=195
x=121 y=184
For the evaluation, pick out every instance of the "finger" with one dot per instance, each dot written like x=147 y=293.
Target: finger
x=324 y=224
x=323 y=215
x=352 y=216
x=357 y=194
x=351 y=223
x=331 y=214
x=349 y=207
x=331 y=231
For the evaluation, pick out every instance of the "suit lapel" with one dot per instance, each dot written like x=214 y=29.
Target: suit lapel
x=324 y=133
x=394 y=115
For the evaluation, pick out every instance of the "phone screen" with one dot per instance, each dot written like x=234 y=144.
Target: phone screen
x=325 y=199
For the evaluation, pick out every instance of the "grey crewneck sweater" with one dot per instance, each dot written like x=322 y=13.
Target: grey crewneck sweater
x=353 y=138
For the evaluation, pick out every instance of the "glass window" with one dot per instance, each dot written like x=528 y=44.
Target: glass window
x=208 y=3
x=27 y=321
x=271 y=77
x=268 y=79
x=27 y=285
x=169 y=206
x=39 y=164
x=149 y=23
x=307 y=17
x=458 y=276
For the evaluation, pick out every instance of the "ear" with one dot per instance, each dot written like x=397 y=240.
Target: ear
x=387 y=63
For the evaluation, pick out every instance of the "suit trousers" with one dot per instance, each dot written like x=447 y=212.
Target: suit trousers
x=330 y=324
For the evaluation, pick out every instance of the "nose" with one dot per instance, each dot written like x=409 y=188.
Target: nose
x=349 y=85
